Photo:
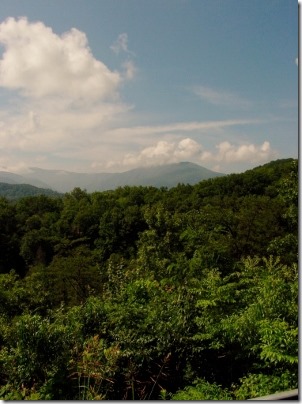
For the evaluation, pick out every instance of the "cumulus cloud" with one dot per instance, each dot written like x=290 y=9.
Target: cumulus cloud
x=164 y=152
x=230 y=153
x=68 y=97
x=187 y=149
x=40 y=63
x=70 y=110
x=221 y=98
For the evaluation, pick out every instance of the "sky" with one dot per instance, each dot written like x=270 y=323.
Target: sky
x=112 y=85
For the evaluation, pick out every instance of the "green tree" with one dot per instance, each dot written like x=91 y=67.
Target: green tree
x=9 y=239
x=35 y=358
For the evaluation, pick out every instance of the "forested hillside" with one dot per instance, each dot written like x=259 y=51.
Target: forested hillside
x=188 y=293
x=16 y=191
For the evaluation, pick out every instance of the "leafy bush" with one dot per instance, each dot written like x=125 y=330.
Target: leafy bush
x=202 y=390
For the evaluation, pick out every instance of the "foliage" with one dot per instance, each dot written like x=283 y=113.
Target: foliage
x=17 y=191
x=33 y=358
x=189 y=293
x=202 y=390
x=95 y=369
x=259 y=385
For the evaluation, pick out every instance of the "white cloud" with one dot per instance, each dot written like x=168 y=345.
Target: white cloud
x=297 y=61
x=51 y=127
x=164 y=152
x=40 y=63
x=181 y=127
x=221 y=98
x=228 y=153
x=187 y=149
x=68 y=96
x=70 y=110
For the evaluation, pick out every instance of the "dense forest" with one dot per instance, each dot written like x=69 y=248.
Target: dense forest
x=16 y=191
x=188 y=293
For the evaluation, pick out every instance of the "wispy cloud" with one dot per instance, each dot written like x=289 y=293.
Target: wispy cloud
x=221 y=98
x=121 y=45
x=129 y=69
x=288 y=104
x=181 y=126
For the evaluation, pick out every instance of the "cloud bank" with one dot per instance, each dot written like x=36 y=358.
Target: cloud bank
x=225 y=154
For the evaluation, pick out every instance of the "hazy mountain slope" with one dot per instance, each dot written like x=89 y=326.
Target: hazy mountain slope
x=167 y=175
x=65 y=181
x=11 y=178
x=16 y=191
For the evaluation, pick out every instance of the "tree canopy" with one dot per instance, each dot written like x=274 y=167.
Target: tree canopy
x=188 y=293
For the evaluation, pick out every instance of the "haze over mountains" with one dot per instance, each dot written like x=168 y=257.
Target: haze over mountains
x=64 y=181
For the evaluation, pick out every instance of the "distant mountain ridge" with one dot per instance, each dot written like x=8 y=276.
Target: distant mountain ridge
x=11 y=178
x=159 y=176
x=16 y=191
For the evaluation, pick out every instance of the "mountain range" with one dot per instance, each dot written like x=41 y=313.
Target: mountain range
x=65 y=181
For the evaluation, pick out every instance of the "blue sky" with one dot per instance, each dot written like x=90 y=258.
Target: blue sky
x=110 y=85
